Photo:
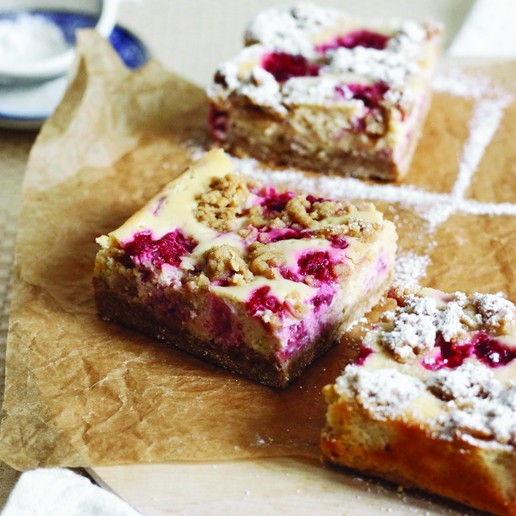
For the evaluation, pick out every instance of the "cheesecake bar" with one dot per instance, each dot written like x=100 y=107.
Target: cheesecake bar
x=255 y=280
x=318 y=89
x=431 y=399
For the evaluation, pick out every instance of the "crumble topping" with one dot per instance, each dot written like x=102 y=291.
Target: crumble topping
x=411 y=335
x=288 y=28
x=478 y=405
x=392 y=68
x=225 y=263
x=265 y=261
x=322 y=209
x=296 y=212
x=412 y=329
x=382 y=393
x=260 y=216
x=294 y=31
x=317 y=91
x=478 y=408
x=232 y=232
x=225 y=205
x=220 y=206
x=464 y=384
x=497 y=314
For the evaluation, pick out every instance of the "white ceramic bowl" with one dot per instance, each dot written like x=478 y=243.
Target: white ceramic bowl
x=105 y=10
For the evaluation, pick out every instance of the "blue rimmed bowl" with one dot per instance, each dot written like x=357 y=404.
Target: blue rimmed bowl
x=27 y=104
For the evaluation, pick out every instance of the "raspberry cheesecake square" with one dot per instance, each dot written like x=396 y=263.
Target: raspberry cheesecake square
x=431 y=400
x=319 y=89
x=249 y=278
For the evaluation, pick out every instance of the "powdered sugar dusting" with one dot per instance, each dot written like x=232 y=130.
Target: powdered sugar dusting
x=384 y=393
x=294 y=32
x=480 y=409
x=412 y=329
x=320 y=90
x=496 y=312
x=475 y=404
x=288 y=28
x=392 y=68
x=411 y=335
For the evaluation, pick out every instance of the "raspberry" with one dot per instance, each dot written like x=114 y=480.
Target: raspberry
x=284 y=66
x=218 y=121
x=318 y=265
x=364 y=352
x=369 y=94
x=358 y=38
x=261 y=300
x=275 y=201
x=490 y=351
x=144 y=250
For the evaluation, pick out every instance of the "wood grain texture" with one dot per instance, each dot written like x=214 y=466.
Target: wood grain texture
x=265 y=487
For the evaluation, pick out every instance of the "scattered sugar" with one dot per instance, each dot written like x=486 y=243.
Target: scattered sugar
x=362 y=320
x=410 y=268
x=456 y=82
x=486 y=118
x=434 y=214
x=487 y=208
x=432 y=207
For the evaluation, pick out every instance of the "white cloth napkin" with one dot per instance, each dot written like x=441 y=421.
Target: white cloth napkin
x=56 y=492
x=488 y=31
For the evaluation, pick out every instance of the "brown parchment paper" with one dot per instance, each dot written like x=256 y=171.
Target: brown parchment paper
x=82 y=392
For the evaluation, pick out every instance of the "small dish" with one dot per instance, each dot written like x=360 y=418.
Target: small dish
x=22 y=28
x=27 y=105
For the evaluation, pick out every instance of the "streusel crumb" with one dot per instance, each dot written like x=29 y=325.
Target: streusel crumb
x=264 y=260
x=219 y=206
x=325 y=209
x=296 y=212
x=224 y=262
x=256 y=217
